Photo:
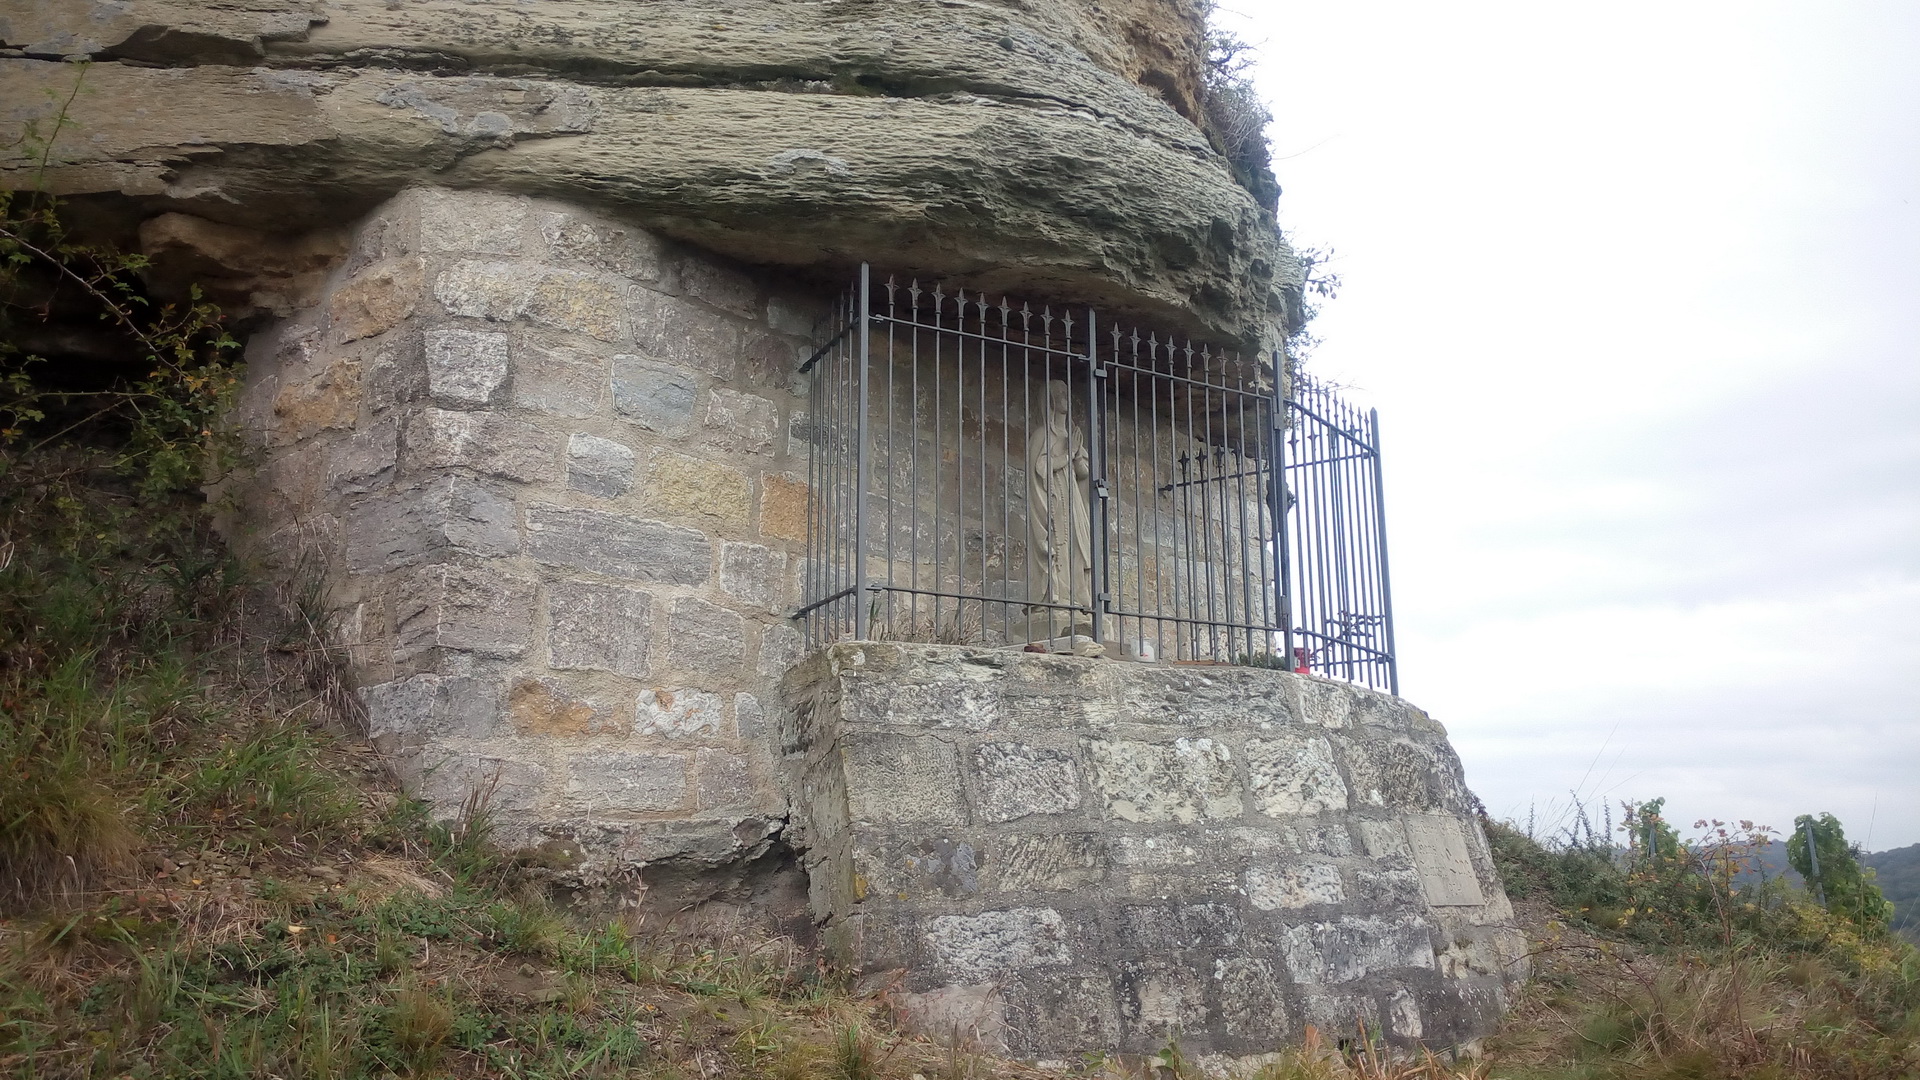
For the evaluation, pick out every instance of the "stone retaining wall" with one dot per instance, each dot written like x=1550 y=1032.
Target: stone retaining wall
x=541 y=459
x=1066 y=855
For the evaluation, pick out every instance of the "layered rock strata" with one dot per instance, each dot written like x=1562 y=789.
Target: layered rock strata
x=1061 y=856
x=1040 y=148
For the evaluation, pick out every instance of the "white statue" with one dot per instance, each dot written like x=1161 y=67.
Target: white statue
x=1060 y=549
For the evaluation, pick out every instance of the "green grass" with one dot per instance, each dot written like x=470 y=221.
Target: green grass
x=201 y=880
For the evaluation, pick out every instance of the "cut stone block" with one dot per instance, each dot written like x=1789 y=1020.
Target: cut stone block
x=599 y=466
x=1187 y=780
x=1016 y=781
x=618 y=545
x=624 y=781
x=1446 y=872
x=601 y=627
x=465 y=367
x=979 y=948
x=902 y=779
x=1294 y=773
x=658 y=397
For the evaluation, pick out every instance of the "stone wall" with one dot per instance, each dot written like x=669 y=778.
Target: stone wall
x=1067 y=855
x=542 y=459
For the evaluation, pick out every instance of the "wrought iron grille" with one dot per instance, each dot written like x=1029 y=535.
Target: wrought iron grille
x=1336 y=532
x=987 y=472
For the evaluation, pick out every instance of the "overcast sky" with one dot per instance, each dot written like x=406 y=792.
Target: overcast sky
x=1636 y=289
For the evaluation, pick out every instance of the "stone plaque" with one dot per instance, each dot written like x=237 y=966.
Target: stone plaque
x=1446 y=873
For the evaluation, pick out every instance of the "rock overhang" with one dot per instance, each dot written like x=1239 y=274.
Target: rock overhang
x=1016 y=149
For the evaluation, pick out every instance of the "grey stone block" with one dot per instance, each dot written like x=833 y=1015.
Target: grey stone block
x=1384 y=838
x=680 y=714
x=599 y=627
x=558 y=377
x=564 y=299
x=1162 y=928
x=706 y=638
x=1403 y=1015
x=657 y=396
x=740 y=422
x=678 y=332
x=1400 y=775
x=470 y=221
x=1294 y=773
x=753 y=574
x=792 y=317
x=1387 y=888
x=1328 y=703
x=950 y=866
x=723 y=287
x=749 y=717
x=1440 y=851
x=1253 y=1004
x=1294 y=884
x=366 y=458
x=627 y=781
x=599 y=466
x=1187 y=780
x=994 y=944
x=1356 y=946
x=446 y=780
x=780 y=648
x=903 y=779
x=401 y=528
x=1159 y=1001
x=1017 y=780
x=416 y=708
x=616 y=249
x=964 y=704
x=484 y=442
x=463 y=607
x=1045 y=862
x=465 y=367
x=1048 y=1010
x=724 y=780
x=618 y=546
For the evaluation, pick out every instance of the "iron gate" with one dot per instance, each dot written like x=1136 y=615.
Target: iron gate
x=990 y=473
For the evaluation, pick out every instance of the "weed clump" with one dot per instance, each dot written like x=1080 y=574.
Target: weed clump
x=1670 y=957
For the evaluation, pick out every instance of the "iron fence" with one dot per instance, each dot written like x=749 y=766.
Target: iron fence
x=991 y=473
x=1336 y=565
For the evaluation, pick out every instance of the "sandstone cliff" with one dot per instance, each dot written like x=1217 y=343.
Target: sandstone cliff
x=1041 y=146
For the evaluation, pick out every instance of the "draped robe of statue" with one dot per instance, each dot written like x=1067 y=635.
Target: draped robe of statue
x=1060 y=542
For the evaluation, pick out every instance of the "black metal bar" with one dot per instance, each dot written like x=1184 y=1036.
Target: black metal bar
x=1279 y=496
x=1386 y=584
x=1066 y=351
x=1195 y=537
x=1096 y=477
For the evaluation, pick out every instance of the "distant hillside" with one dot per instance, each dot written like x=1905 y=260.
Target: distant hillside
x=1899 y=880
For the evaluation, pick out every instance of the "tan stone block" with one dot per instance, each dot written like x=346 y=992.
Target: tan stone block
x=549 y=296
x=378 y=299
x=328 y=399
x=690 y=487
x=539 y=707
x=783 y=507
